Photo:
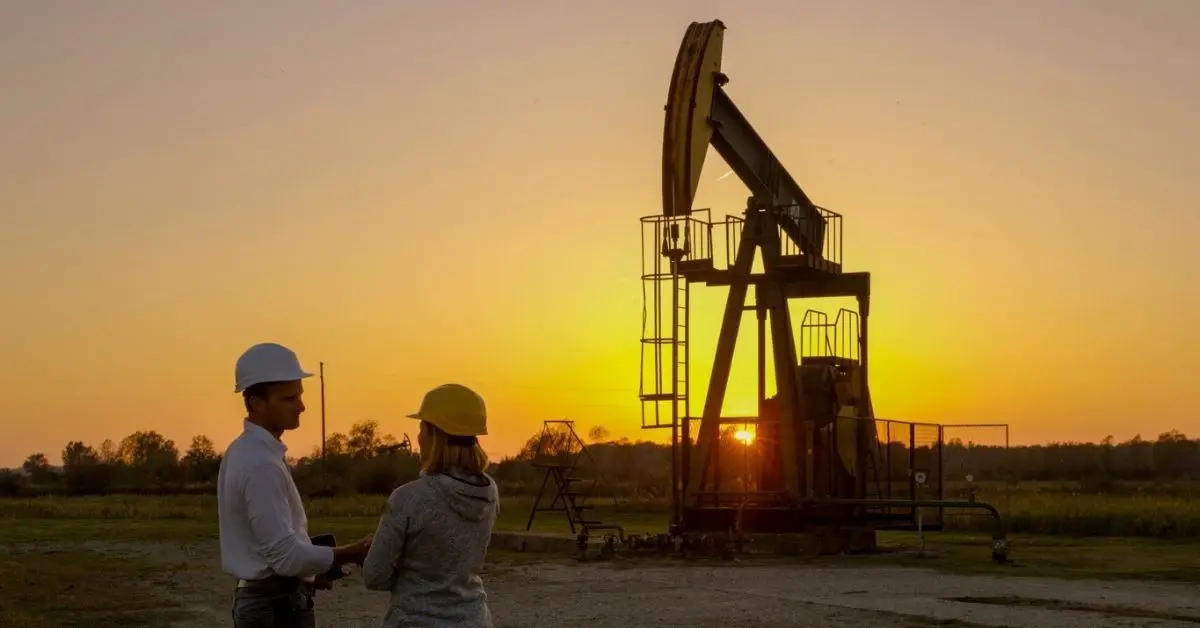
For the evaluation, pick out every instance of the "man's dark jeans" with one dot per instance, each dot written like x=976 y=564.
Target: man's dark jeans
x=274 y=603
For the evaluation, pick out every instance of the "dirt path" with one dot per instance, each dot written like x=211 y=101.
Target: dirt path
x=659 y=593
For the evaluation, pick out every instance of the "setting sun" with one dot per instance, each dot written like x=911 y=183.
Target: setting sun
x=744 y=436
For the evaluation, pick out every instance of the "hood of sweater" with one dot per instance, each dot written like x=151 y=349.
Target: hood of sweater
x=471 y=498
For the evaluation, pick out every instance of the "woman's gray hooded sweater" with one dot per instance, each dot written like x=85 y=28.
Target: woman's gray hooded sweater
x=429 y=549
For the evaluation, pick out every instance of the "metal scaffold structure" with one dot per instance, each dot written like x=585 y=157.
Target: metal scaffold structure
x=570 y=476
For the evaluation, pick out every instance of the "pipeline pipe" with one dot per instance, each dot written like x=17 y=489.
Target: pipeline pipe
x=999 y=536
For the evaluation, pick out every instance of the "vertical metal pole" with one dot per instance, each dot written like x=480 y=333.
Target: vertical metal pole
x=324 y=477
x=1009 y=473
x=941 y=458
x=746 y=464
x=920 y=535
x=679 y=445
x=686 y=412
x=660 y=233
x=912 y=460
x=888 y=456
x=864 y=443
x=760 y=312
x=941 y=475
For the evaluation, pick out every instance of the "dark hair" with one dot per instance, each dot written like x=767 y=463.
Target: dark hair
x=461 y=441
x=261 y=390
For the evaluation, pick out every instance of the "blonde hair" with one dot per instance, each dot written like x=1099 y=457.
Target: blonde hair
x=443 y=456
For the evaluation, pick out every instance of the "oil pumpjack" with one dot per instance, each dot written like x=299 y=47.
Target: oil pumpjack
x=819 y=462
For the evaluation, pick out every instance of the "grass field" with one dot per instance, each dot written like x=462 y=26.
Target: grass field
x=1048 y=509
x=1081 y=515
x=57 y=587
x=195 y=516
x=1051 y=534
x=55 y=547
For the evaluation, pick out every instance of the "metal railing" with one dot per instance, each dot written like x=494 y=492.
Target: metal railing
x=734 y=225
x=902 y=461
x=692 y=234
x=794 y=224
x=820 y=338
x=976 y=462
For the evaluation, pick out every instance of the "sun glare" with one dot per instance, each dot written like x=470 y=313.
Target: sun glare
x=744 y=436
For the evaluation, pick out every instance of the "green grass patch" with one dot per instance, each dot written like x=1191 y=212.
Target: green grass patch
x=1034 y=509
x=56 y=589
x=190 y=517
x=1053 y=510
x=1045 y=556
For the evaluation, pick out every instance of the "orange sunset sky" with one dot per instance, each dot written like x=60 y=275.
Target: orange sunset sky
x=416 y=192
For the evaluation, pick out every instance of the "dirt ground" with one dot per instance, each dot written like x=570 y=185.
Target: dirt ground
x=528 y=590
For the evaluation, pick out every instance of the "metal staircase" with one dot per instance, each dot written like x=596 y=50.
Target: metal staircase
x=564 y=459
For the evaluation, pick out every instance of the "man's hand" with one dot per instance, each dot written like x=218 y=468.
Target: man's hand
x=355 y=552
x=322 y=583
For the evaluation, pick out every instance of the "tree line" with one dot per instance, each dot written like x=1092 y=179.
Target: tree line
x=644 y=468
x=366 y=460
x=362 y=460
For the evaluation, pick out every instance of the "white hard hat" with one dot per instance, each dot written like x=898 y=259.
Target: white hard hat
x=267 y=362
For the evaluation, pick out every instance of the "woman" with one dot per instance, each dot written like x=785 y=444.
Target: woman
x=433 y=536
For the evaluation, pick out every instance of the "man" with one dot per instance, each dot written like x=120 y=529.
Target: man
x=263 y=526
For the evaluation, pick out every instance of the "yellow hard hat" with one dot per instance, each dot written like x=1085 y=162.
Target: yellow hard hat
x=454 y=409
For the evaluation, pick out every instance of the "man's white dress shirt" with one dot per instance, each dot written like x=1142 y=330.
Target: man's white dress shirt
x=264 y=529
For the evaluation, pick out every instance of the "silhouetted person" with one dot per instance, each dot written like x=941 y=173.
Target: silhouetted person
x=432 y=539
x=263 y=526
